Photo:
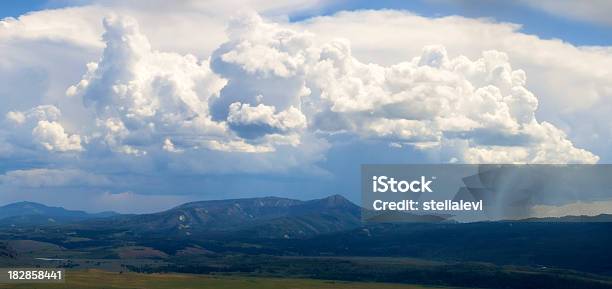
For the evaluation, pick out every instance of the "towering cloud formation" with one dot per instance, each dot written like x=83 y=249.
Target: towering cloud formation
x=274 y=91
x=141 y=96
x=480 y=109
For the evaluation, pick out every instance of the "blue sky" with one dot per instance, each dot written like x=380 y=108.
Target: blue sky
x=534 y=21
x=136 y=108
x=17 y=8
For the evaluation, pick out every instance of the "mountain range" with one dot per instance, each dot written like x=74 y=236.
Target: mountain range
x=266 y=217
x=30 y=213
x=272 y=217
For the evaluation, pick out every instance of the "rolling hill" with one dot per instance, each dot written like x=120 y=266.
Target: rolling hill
x=30 y=213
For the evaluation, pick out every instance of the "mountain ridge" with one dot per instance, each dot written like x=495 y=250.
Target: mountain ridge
x=269 y=216
x=32 y=213
x=272 y=217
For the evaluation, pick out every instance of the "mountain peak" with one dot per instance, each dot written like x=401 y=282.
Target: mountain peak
x=335 y=201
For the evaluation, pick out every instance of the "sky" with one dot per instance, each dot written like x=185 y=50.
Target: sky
x=118 y=105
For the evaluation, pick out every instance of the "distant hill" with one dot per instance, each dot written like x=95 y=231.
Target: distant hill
x=268 y=217
x=30 y=213
x=602 y=218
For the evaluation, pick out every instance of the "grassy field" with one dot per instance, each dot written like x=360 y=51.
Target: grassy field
x=97 y=279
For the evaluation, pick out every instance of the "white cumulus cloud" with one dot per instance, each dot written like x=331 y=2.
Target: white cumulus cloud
x=51 y=136
x=431 y=100
x=270 y=86
x=46 y=131
x=572 y=82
